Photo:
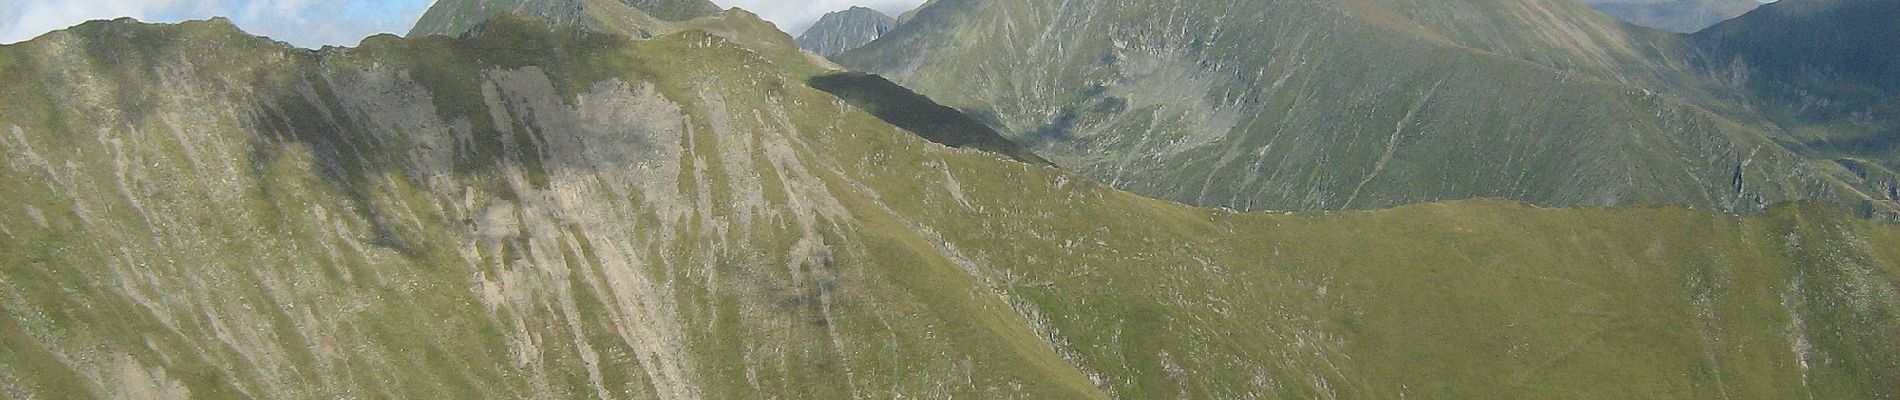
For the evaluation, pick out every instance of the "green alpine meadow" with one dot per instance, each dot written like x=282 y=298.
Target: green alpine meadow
x=988 y=199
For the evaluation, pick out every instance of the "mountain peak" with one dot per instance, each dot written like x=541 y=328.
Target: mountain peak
x=851 y=28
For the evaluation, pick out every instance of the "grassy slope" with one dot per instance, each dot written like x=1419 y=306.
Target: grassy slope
x=675 y=10
x=1457 y=300
x=429 y=218
x=303 y=234
x=452 y=17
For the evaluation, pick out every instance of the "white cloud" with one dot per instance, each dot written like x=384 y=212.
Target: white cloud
x=795 y=16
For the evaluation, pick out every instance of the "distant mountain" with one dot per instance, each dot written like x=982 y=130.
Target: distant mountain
x=1813 y=41
x=535 y=210
x=1356 y=104
x=1682 y=16
x=844 y=30
x=1827 y=72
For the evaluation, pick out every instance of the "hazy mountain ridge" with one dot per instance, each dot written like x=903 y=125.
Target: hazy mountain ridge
x=1825 y=72
x=845 y=30
x=1682 y=16
x=546 y=212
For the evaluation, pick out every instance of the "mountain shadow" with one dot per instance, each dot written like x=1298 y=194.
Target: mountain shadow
x=915 y=112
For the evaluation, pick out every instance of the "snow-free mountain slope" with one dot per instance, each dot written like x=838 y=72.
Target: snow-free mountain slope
x=845 y=30
x=1350 y=104
x=453 y=17
x=534 y=210
x=1827 y=70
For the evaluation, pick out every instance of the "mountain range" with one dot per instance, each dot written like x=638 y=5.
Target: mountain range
x=641 y=199
x=1319 y=105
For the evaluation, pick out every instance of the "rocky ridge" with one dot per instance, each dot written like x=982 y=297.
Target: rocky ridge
x=845 y=30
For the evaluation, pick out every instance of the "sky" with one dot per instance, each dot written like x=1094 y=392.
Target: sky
x=315 y=23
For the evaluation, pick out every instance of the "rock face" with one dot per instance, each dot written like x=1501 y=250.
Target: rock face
x=534 y=211
x=1317 y=105
x=1683 y=16
x=845 y=30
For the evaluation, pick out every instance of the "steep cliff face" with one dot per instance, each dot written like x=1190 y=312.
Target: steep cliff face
x=845 y=30
x=528 y=212
x=1682 y=16
x=1339 y=105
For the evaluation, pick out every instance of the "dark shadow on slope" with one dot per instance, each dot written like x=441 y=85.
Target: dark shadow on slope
x=918 y=114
